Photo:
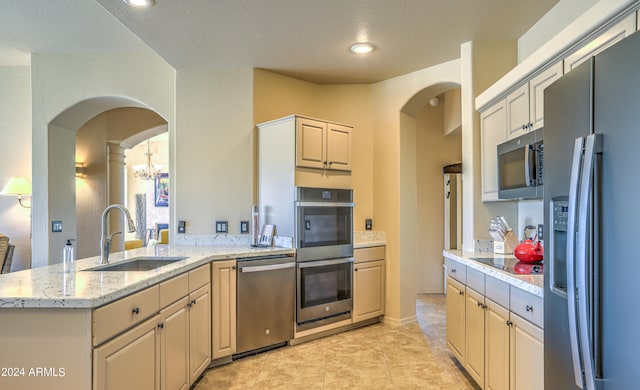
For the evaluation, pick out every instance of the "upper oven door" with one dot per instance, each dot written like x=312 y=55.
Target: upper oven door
x=324 y=230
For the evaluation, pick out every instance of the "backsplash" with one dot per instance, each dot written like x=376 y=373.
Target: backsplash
x=226 y=240
x=369 y=235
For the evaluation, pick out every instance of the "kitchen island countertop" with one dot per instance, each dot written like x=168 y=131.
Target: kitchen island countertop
x=50 y=287
x=530 y=283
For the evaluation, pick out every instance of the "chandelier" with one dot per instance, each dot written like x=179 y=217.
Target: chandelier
x=149 y=171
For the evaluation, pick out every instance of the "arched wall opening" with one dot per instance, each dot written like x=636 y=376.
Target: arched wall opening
x=91 y=132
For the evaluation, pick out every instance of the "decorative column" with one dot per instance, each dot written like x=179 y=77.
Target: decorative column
x=115 y=185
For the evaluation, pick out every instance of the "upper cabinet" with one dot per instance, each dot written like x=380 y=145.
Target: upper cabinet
x=322 y=145
x=525 y=105
x=616 y=33
x=493 y=130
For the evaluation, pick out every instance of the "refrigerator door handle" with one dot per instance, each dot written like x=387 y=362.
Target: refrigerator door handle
x=571 y=237
x=591 y=145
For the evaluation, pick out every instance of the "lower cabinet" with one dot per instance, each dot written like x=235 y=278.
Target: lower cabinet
x=129 y=361
x=499 y=348
x=368 y=283
x=170 y=349
x=223 y=306
x=455 y=309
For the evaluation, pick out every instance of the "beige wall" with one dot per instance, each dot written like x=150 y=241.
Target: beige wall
x=15 y=158
x=434 y=150
x=214 y=145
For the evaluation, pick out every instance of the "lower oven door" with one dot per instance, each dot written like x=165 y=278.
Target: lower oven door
x=324 y=292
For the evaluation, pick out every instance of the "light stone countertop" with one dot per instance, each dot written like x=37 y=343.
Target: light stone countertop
x=50 y=287
x=530 y=283
x=368 y=239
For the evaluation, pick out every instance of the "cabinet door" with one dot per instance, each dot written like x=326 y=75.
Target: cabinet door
x=608 y=38
x=518 y=112
x=368 y=290
x=310 y=143
x=493 y=132
x=130 y=361
x=223 y=308
x=474 y=327
x=526 y=355
x=455 y=308
x=199 y=331
x=496 y=341
x=536 y=93
x=174 y=346
x=338 y=147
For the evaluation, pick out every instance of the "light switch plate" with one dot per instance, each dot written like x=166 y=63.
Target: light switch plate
x=56 y=226
x=244 y=227
x=368 y=224
x=222 y=226
x=182 y=227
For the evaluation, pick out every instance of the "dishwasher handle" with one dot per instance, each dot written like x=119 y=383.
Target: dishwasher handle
x=271 y=267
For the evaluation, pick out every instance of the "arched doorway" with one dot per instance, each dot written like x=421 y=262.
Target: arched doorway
x=431 y=122
x=90 y=134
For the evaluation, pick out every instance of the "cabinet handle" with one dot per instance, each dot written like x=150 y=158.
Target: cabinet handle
x=233 y=267
x=529 y=308
x=355 y=269
x=189 y=304
x=193 y=302
x=161 y=325
x=524 y=127
x=136 y=310
x=479 y=304
x=509 y=323
x=461 y=292
x=453 y=270
x=484 y=307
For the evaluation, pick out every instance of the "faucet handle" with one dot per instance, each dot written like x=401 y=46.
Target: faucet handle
x=111 y=236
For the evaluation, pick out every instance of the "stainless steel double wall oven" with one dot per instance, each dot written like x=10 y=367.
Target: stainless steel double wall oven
x=324 y=250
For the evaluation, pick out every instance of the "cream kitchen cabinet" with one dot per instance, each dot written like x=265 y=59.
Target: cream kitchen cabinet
x=611 y=36
x=493 y=128
x=323 y=145
x=525 y=105
x=455 y=312
x=368 y=283
x=494 y=329
x=164 y=351
x=223 y=308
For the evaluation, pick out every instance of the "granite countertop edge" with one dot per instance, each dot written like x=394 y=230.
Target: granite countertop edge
x=533 y=284
x=50 y=287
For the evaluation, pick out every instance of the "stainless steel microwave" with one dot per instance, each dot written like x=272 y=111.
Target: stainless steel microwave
x=521 y=167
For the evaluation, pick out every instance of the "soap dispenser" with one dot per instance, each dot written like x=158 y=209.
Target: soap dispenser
x=67 y=256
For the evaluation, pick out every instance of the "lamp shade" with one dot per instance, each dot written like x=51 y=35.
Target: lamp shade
x=17 y=186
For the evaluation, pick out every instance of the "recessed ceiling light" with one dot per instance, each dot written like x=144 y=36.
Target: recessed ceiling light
x=362 y=48
x=139 y=3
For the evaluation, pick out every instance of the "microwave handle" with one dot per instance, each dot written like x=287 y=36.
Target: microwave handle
x=528 y=152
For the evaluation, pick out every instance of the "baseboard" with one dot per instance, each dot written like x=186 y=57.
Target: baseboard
x=400 y=321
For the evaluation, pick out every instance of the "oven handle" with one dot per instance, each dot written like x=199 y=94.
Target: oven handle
x=320 y=263
x=324 y=204
x=261 y=268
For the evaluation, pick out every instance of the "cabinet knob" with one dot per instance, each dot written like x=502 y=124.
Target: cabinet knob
x=233 y=267
x=355 y=269
x=509 y=323
x=479 y=304
x=161 y=325
x=529 y=308
x=524 y=127
x=453 y=270
x=461 y=292
x=136 y=310
x=193 y=302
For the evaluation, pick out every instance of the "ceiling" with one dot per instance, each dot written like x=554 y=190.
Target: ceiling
x=306 y=39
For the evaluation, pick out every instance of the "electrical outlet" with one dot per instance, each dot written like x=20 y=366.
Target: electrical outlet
x=244 y=227
x=222 y=226
x=56 y=226
x=540 y=232
x=182 y=227
x=368 y=224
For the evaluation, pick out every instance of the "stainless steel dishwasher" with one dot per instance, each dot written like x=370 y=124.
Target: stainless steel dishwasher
x=266 y=302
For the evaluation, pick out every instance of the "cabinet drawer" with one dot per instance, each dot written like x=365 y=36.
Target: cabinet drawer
x=173 y=289
x=527 y=306
x=457 y=271
x=115 y=317
x=497 y=290
x=363 y=255
x=199 y=277
x=475 y=280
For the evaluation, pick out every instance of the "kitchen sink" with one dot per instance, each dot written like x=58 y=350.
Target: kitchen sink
x=144 y=263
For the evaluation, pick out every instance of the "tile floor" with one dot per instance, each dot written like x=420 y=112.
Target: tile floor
x=378 y=356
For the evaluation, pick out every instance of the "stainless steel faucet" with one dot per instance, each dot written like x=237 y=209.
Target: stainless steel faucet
x=105 y=241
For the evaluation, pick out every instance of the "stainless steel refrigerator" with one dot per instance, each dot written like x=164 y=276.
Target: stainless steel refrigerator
x=592 y=214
